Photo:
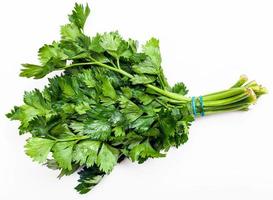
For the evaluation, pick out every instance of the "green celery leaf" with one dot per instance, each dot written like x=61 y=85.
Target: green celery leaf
x=167 y=123
x=127 y=92
x=151 y=48
x=25 y=114
x=70 y=32
x=87 y=77
x=82 y=108
x=119 y=131
x=77 y=127
x=180 y=88
x=107 y=158
x=60 y=129
x=85 y=152
x=62 y=153
x=116 y=118
x=89 y=177
x=34 y=106
x=36 y=100
x=110 y=41
x=107 y=89
x=143 y=151
x=38 y=148
x=95 y=44
x=79 y=15
x=53 y=51
x=67 y=87
x=130 y=109
x=143 y=97
x=146 y=67
x=35 y=71
x=98 y=129
x=142 y=79
x=143 y=123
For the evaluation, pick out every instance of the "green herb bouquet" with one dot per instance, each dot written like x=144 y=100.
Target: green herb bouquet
x=111 y=102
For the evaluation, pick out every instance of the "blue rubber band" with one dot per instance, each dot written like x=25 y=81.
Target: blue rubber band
x=193 y=106
x=202 y=106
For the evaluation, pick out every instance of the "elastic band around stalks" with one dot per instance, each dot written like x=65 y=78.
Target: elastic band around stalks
x=202 y=106
x=193 y=107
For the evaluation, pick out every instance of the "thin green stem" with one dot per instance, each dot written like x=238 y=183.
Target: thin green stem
x=224 y=94
x=169 y=94
x=160 y=102
x=227 y=110
x=243 y=79
x=224 y=107
x=174 y=101
x=250 y=84
x=118 y=63
x=227 y=101
x=114 y=69
x=79 y=64
x=111 y=61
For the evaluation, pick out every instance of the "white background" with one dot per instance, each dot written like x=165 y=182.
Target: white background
x=206 y=44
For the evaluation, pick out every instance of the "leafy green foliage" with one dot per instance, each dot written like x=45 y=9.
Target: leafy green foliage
x=70 y=32
x=130 y=109
x=62 y=153
x=142 y=79
x=79 y=15
x=151 y=48
x=98 y=129
x=107 y=158
x=180 y=88
x=108 y=90
x=111 y=102
x=143 y=151
x=35 y=71
x=86 y=152
x=38 y=148
x=146 y=67
x=89 y=177
x=53 y=51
